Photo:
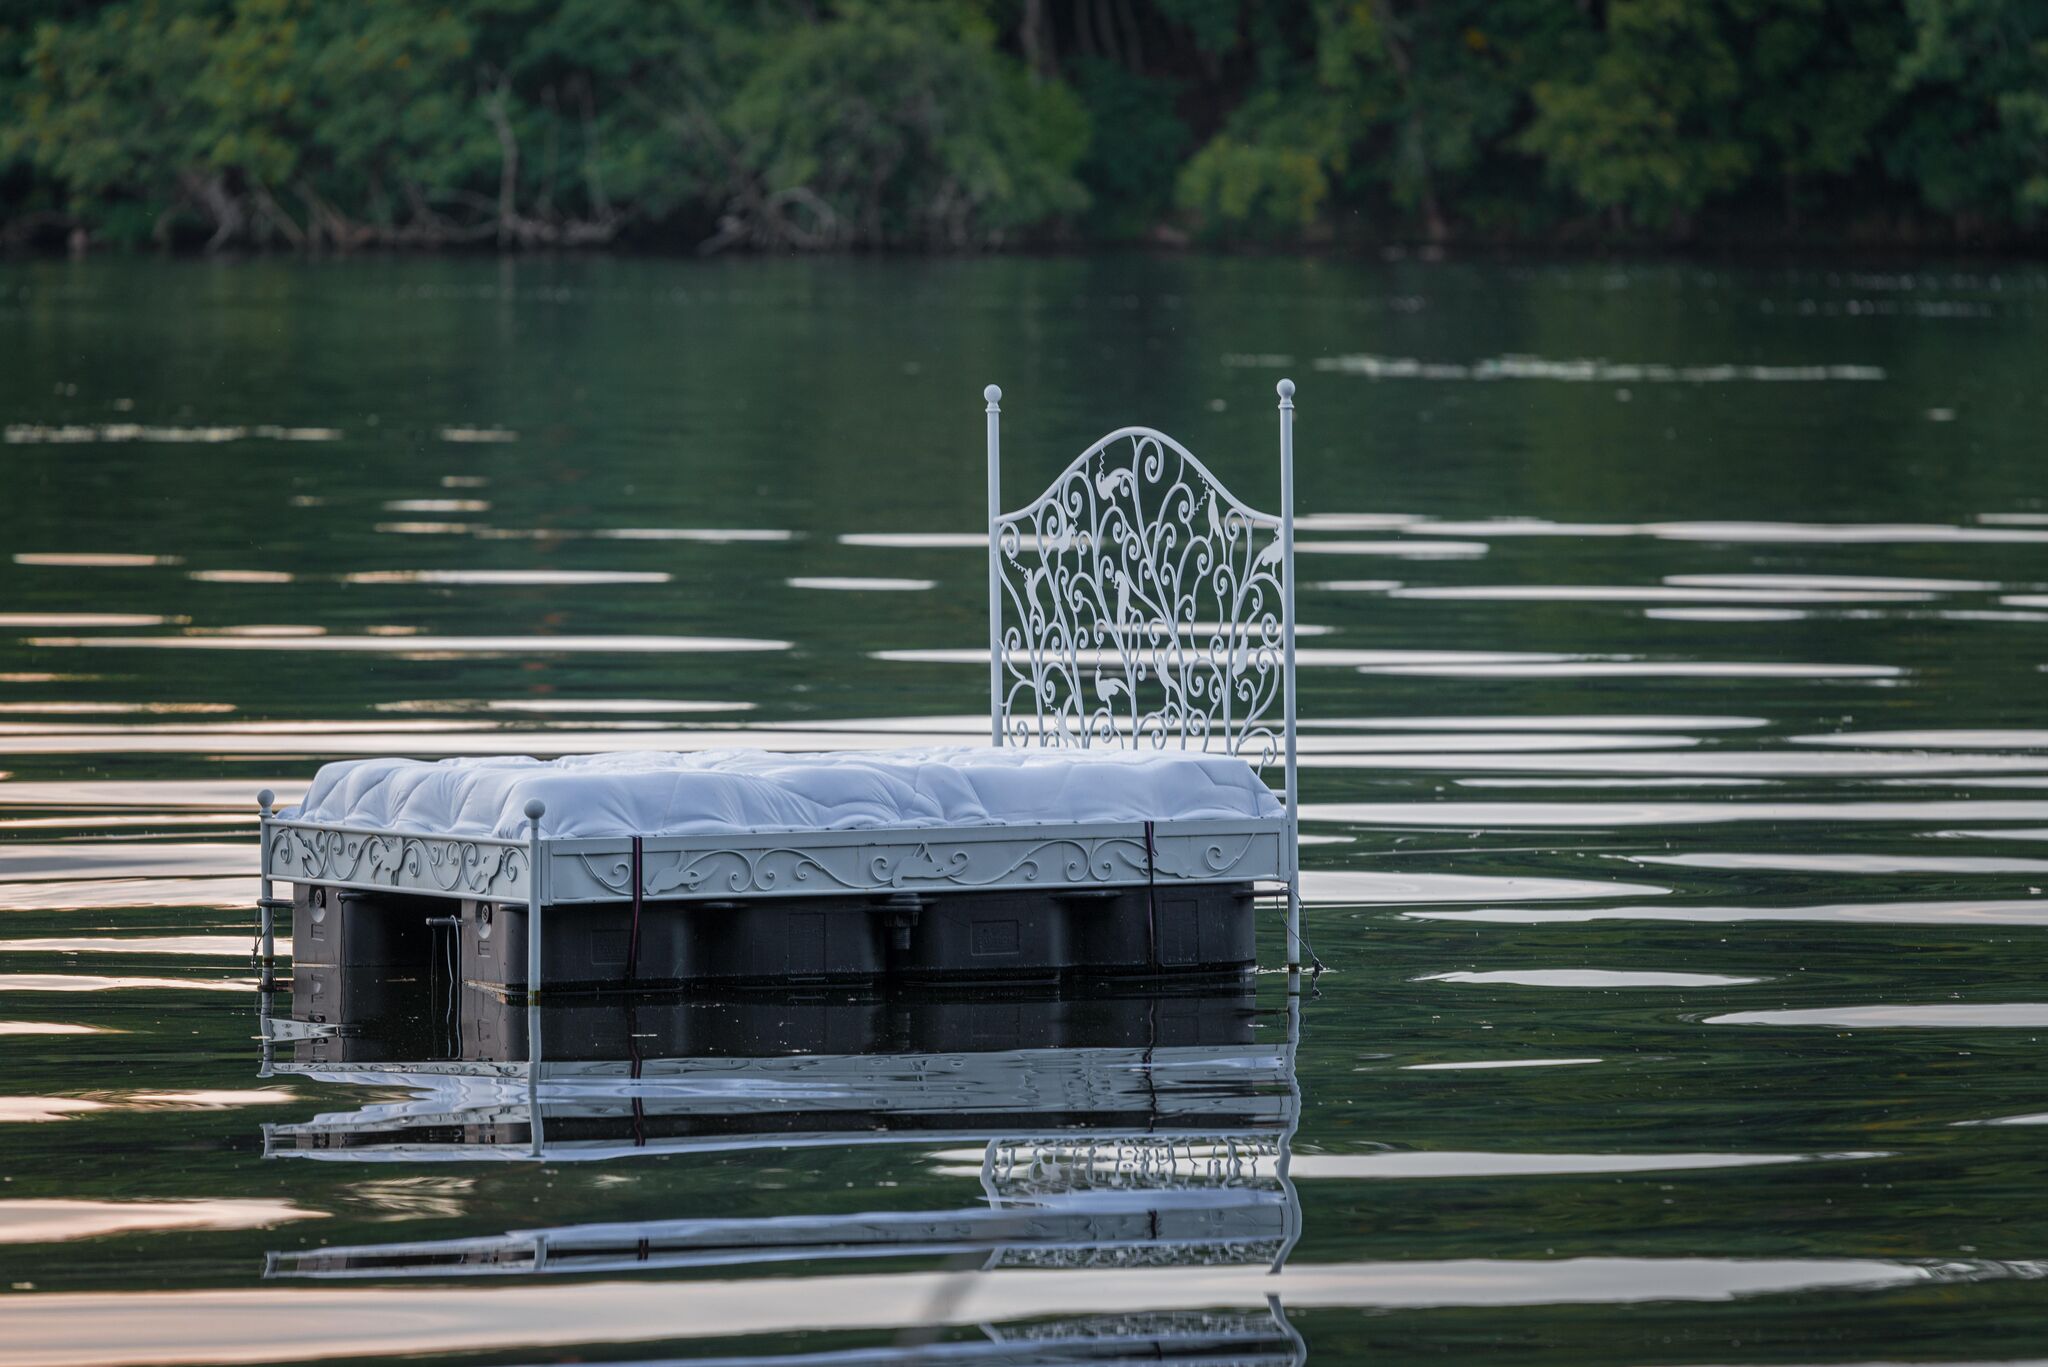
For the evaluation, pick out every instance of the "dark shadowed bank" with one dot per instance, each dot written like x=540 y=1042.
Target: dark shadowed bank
x=948 y=124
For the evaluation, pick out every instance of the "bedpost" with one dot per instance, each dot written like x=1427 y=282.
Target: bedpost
x=994 y=395
x=1286 y=391
x=535 y=809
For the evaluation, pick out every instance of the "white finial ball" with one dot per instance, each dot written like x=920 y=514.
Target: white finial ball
x=994 y=393
x=535 y=808
x=265 y=800
x=1285 y=389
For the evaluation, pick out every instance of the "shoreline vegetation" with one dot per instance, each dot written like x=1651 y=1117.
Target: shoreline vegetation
x=953 y=125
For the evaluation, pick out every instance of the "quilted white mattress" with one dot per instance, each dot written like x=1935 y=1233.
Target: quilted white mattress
x=728 y=791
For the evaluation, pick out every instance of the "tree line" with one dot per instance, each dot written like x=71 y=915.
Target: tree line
x=953 y=124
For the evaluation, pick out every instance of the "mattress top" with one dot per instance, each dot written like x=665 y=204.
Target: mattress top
x=721 y=792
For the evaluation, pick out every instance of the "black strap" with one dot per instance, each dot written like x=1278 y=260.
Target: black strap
x=1151 y=897
x=633 y=943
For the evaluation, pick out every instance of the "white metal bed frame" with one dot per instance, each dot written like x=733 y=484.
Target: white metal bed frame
x=1136 y=602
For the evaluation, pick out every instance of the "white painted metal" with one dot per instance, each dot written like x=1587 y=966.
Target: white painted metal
x=1143 y=607
x=368 y=857
x=535 y=942
x=994 y=396
x=918 y=859
x=1149 y=606
x=266 y=900
x=1285 y=389
x=792 y=863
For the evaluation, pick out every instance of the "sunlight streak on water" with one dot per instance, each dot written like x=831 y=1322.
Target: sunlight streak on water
x=1900 y=1016
x=109 y=894
x=1357 y=888
x=417 y=645
x=1611 y=815
x=514 y=578
x=85 y=619
x=846 y=584
x=245 y=1326
x=1957 y=914
x=1726 y=614
x=1650 y=593
x=50 y=1221
x=93 y=982
x=1595 y=979
x=51 y=1028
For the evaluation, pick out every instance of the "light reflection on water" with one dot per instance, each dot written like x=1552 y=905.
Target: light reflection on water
x=1708 y=1032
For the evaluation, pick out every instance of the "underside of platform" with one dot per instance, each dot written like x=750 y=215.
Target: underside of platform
x=352 y=947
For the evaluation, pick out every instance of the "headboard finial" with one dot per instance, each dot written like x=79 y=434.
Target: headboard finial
x=994 y=395
x=1285 y=389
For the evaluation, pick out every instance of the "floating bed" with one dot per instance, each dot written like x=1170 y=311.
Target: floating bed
x=1141 y=685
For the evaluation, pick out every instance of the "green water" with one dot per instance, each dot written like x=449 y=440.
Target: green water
x=1704 y=763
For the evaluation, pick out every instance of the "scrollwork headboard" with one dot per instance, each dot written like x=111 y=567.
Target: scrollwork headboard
x=1138 y=603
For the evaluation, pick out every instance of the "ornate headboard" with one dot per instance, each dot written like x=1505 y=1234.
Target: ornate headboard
x=1138 y=603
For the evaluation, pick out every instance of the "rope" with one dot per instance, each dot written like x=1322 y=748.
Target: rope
x=1315 y=961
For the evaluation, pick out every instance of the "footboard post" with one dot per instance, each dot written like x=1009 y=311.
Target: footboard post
x=994 y=395
x=1286 y=391
x=535 y=809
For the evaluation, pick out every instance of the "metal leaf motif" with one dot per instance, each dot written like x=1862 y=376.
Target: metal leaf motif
x=1142 y=607
x=1061 y=862
x=451 y=865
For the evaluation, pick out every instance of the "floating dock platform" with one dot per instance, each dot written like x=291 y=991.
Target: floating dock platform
x=1141 y=681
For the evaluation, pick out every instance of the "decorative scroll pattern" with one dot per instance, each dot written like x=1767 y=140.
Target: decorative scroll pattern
x=1256 y=1250
x=1024 y=1174
x=1062 y=862
x=1142 y=607
x=1261 y=1330
x=1029 y=1169
x=447 y=866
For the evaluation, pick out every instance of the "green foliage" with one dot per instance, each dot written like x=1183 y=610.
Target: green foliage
x=1133 y=159
x=1254 y=188
x=1975 y=141
x=794 y=124
x=900 y=124
x=1644 y=122
x=113 y=109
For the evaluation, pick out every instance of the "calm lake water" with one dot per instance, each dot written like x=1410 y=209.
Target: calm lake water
x=1677 y=788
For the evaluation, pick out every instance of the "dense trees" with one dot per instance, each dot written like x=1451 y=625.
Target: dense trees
x=950 y=123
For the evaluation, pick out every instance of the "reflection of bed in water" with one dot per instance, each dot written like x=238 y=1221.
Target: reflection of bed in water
x=600 y=1079
x=1156 y=1135
x=590 y=1111
x=1199 y=1221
